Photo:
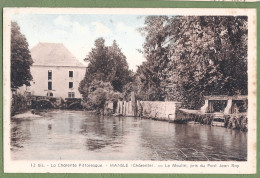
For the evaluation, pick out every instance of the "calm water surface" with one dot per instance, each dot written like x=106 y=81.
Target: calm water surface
x=79 y=135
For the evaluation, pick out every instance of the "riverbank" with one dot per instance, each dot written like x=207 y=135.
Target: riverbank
x=27 y=115
x=34 y=113
x=236 y=123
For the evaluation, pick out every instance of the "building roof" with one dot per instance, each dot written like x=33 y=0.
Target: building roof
x=53 y=54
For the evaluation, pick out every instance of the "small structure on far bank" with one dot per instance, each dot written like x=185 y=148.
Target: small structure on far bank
x=226 y=111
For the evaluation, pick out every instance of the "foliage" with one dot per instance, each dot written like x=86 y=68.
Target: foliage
x=152 y=72
x=101 y=92
x=18 y=104
x=107 y=64
x=119 y=72
x=20 y=58
x=189 y=57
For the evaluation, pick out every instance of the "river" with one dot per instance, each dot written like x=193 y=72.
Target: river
x=80 y=135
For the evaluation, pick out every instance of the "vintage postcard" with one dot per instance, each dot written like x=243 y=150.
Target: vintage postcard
x=120 y=90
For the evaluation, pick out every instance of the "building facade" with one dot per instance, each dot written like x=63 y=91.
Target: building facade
x=56 y=72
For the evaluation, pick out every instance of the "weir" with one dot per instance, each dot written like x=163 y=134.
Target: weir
x=224 y=111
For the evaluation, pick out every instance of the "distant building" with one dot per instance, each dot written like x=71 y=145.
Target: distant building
x=56 y=72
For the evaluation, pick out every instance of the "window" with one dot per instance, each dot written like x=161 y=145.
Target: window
x=70 y=73
x=51 y=94
x=70 y=84
x=49 y=85
x=49 y=75
x=71 y=94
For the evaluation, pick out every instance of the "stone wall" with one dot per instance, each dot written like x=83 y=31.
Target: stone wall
x=161 y=110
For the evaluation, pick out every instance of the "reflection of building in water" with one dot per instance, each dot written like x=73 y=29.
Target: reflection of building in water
x=56 y=72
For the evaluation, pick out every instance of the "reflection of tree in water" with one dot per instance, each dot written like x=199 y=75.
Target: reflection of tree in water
x=93 y=144
x=102 y=132
x=20 y=133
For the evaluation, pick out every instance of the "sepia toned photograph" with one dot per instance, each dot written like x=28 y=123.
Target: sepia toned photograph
x=97 y=86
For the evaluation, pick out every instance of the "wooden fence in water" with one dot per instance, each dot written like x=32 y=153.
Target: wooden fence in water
x=161 y=110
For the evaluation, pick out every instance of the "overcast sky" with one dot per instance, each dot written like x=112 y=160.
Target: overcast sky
x=78 y=32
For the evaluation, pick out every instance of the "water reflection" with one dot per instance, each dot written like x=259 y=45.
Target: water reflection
x=101 y=132
x=20 y=132
x=80 y=135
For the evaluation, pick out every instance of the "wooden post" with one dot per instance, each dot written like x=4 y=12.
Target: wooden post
x=228 y=109
x=124 y=108
x=133 y=103
x=210 y=107
x=204 y=108
x=118 y=107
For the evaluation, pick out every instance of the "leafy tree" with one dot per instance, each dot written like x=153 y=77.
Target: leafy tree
x=152 y=72
x=119 y=73
x=196 y=56
x=209 y=56
x=20 y=58
x=106 y=64
x=99 y=93
x=135 y=84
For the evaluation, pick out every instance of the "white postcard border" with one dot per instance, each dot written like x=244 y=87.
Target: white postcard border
x=67 y=166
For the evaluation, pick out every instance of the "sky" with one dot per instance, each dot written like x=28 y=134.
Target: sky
x=78 y=32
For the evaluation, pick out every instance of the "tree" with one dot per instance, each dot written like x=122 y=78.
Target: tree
x=21 y=59
x=200 y=55
x=152 y=72
x=106 y=64
x=99 y=93
x=209 y=56
x=119 y=73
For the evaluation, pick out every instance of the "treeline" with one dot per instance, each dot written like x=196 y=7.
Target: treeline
x=187 y=57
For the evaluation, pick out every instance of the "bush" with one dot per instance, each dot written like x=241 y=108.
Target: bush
x=19 y=104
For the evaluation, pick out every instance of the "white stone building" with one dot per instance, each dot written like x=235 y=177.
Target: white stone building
x=56 y=72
